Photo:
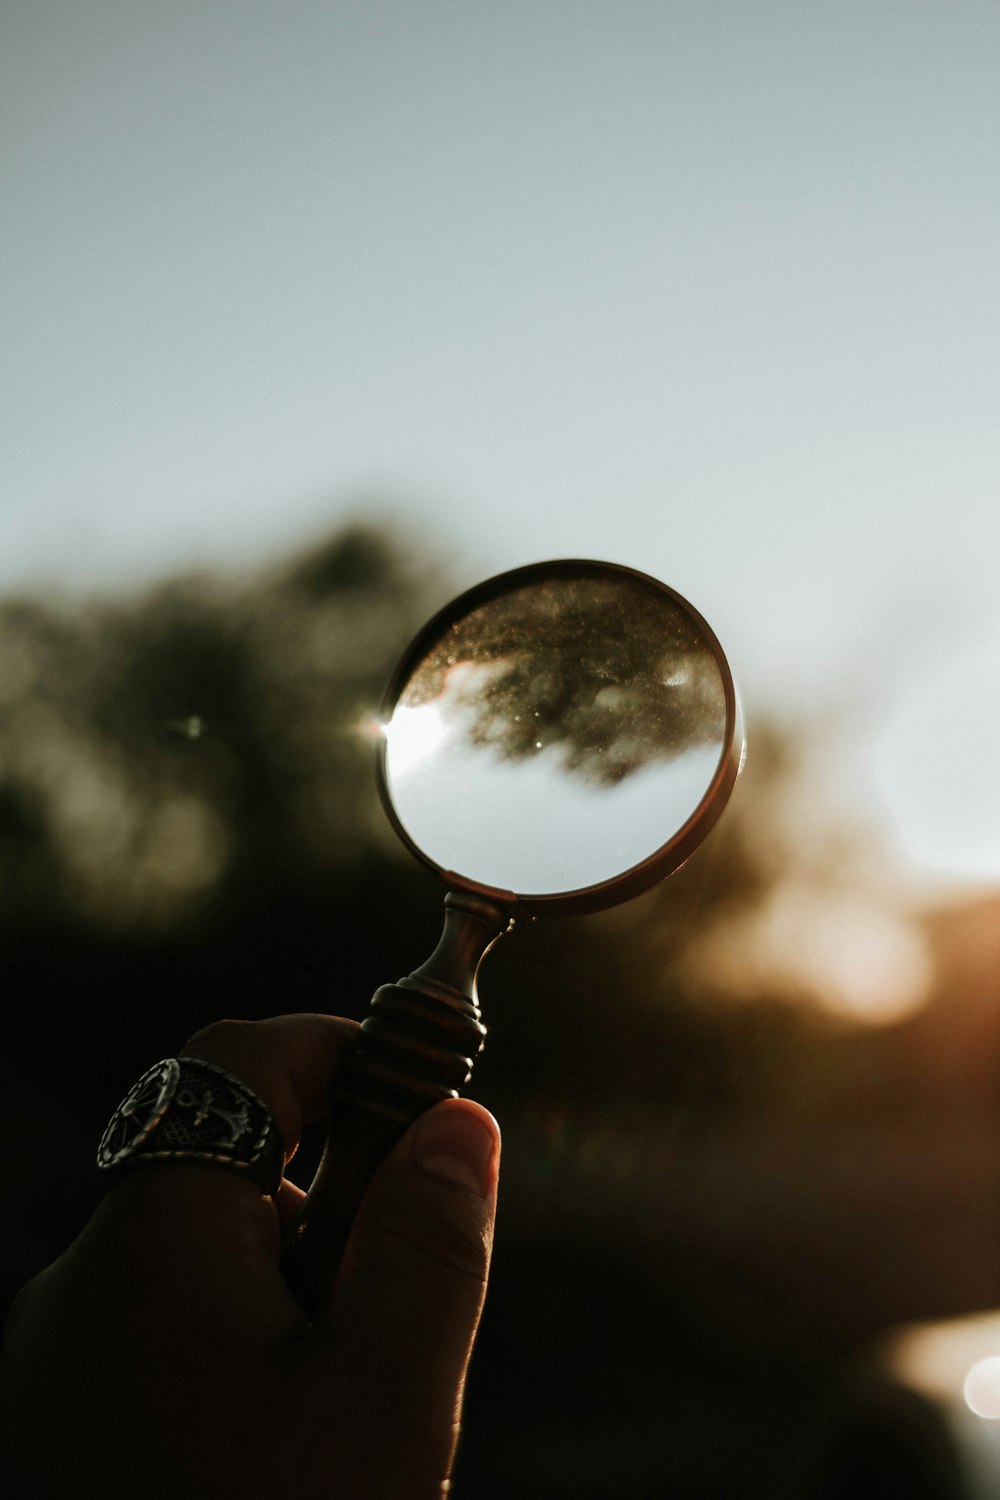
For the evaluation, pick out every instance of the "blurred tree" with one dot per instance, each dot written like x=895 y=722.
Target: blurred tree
x=184 y=754
x=609 y=672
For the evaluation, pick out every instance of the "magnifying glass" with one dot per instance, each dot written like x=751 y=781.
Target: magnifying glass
x=555 y=741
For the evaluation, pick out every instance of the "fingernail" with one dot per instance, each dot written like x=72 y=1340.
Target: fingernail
x=458 y=1146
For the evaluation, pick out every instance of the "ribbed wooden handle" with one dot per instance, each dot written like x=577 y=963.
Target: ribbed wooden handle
x=416 y=1047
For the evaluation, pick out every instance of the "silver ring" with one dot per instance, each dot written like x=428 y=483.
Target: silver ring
x=186 y=1110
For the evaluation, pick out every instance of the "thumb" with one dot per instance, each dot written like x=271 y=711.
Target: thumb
x=407 y=1300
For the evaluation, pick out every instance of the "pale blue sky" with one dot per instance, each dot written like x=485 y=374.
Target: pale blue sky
x=706 y=286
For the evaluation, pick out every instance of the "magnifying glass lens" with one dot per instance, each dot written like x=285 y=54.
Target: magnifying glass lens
x=556 y=729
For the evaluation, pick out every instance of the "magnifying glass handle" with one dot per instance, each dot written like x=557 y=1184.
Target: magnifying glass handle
x=416 y=1047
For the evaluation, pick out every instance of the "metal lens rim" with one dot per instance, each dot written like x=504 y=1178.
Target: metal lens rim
x=663 y=860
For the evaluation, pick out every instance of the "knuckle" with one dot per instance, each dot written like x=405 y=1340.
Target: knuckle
x=222 y=1037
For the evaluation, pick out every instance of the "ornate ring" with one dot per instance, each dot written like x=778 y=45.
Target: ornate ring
x=186 y=1110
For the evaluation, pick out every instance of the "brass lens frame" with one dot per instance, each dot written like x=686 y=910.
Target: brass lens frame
x=656 y=866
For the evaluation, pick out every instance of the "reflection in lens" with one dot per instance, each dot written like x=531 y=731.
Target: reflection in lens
x=557 y=735
x=612 y=671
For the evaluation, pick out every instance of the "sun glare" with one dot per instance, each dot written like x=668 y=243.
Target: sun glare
x=953 y=1362
x=412 y=734
x=855 y=957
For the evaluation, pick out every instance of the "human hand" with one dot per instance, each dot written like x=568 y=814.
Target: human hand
x=164 y=1355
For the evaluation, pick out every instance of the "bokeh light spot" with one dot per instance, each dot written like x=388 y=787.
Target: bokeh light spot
x=982 y=1388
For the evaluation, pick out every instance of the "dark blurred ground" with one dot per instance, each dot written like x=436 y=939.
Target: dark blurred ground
x=708 y=1208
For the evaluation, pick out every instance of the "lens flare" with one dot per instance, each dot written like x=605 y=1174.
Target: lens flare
x=412 y=734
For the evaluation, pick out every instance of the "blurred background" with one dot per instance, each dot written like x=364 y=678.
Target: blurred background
x=316 y=313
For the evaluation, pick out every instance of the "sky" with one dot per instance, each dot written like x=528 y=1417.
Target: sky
x=707 y=287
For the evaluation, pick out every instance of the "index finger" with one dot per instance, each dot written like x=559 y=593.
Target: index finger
x=288 y=1061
